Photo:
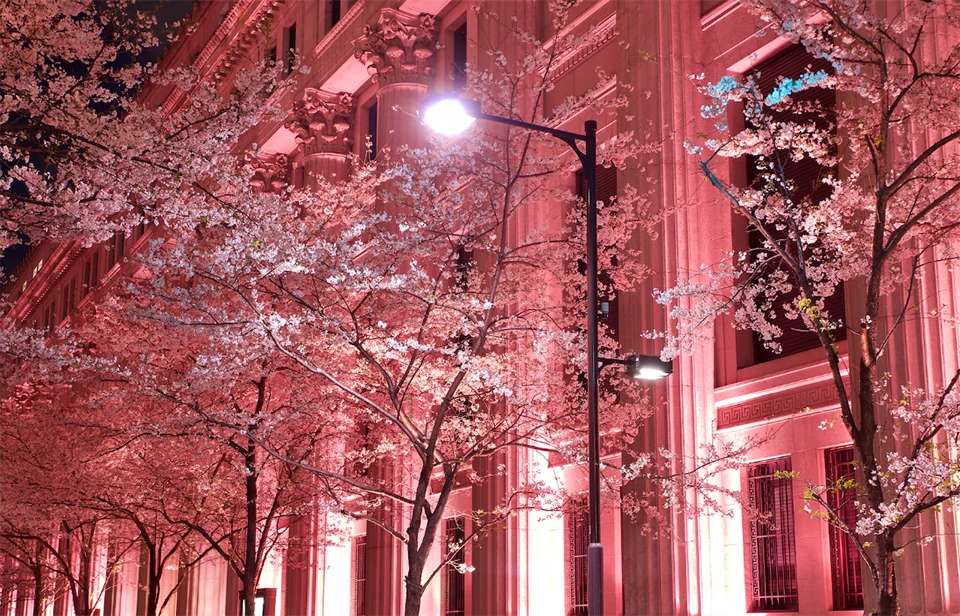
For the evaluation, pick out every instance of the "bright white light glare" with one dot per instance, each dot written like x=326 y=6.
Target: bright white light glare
x=448 y=117
x=647 y=368
x=650 y=374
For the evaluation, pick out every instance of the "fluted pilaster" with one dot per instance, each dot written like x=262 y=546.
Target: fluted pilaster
x=660 y=575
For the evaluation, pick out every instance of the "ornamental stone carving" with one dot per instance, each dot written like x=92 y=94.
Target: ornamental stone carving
x=270 y=172
x=323 y=122
x=400 y=48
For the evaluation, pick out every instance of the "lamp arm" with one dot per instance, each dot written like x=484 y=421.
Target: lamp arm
x=603 y=362
x=567 y=137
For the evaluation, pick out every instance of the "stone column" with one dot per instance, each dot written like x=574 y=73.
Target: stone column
x=323 y=125
x=661 y=575
x=301 y=565
x=399 y=52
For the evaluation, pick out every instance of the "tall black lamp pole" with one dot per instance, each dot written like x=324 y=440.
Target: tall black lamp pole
x=450 y=115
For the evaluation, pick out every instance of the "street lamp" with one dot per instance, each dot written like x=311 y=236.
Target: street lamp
x=450 y=115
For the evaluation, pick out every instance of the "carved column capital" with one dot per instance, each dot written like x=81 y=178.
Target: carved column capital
x=400 y=48
x=323 y=122
x=271 y=172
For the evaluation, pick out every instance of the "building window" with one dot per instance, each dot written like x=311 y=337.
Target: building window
x=372 y=131
x=773 y=552
x=92 y=272
x=454 y=588
x=806 y=175
x=846 y=573
x=48 y=317
x=460 y=58
x=290 y=47
x=85 y=285
x=115 y=250
x=578 y=539
x=334 y=13
x=359 y=566
x=65 y=302
x=72 y=296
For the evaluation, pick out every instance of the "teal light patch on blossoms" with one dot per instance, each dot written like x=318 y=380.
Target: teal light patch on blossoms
x=792 y=86
x=719 y=93
x=726 y=85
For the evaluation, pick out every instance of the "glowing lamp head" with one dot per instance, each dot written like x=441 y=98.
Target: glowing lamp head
x=647 y=368
x=448 y=115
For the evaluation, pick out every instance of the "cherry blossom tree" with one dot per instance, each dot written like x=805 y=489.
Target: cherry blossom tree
x=81 y=155
x=888 y=154
x=51 y=462
x=147 y=496
x=174 y=425
x=393 y=334
x=201 y=406
x=440 y=333
x=24 y=566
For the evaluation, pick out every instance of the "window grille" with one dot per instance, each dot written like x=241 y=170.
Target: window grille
x=847 y=575
x=578 y=538
x=359 y=575
x=454 y=591
x=772 y=545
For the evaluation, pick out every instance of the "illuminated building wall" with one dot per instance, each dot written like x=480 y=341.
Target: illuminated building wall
x=715 y=565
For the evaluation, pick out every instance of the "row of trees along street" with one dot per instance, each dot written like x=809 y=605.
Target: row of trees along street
x=360 y=348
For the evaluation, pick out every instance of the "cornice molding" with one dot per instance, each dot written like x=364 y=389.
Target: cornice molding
x=604 y=32
x=805 y=387
x=64 y=256
x=233 y=37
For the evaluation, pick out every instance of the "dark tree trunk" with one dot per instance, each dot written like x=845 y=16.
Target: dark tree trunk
x=37 y=592
x=250 y=552
x=411 y=604
x=153 y=593
x=888 y=602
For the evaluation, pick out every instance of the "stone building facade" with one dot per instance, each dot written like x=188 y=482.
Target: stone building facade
x=371 y=62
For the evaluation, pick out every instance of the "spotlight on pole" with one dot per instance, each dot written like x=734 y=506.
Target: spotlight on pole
x=647 y=368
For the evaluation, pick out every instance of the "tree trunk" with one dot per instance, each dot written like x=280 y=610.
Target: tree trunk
x=153 y=590
x=888 y=601
x=153 y=581
x=250 y=552
x=411 y=604
x=249 y=597
x=38 y=592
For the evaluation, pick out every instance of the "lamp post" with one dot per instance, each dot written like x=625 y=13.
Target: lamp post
x=451 y=115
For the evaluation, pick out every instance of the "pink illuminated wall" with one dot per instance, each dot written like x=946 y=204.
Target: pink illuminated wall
x=524 y=568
